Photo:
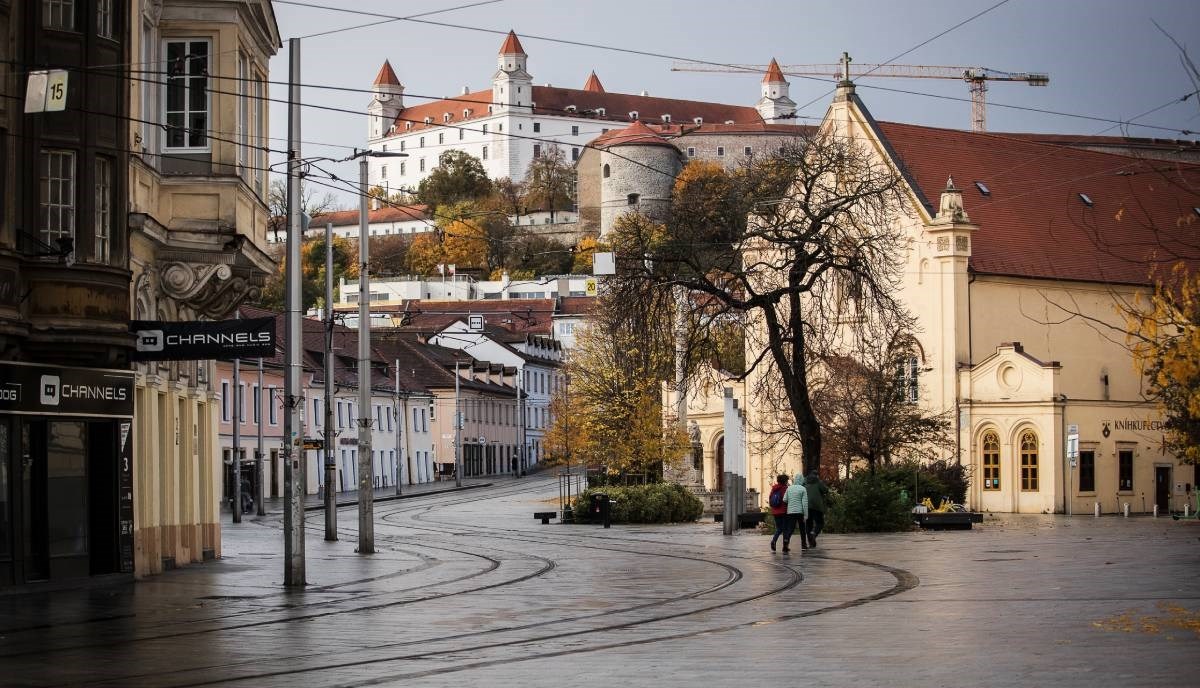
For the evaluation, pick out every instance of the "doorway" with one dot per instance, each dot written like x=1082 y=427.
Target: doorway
x=1162 y=488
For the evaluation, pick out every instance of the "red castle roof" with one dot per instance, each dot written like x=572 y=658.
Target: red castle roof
x=593 y=84
x=512 y=45
x=386 y=76
x=774 y=73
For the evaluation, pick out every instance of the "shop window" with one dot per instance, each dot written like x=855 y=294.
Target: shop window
x=1087 y=470
x=1029 y=461
x=1125 y=470
x=991 y=461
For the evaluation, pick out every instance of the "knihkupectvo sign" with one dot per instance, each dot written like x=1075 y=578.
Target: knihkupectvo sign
x=29 y=388
x=197 y=341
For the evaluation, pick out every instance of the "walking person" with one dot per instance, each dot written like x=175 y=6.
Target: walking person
x=796 y=498
x=779 y=512
x=817 y=491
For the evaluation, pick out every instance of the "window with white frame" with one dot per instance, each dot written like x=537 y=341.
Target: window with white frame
x=243 y=113
x=421 y=164
x=104 y=18
x=225 y=405
x=720 y=151
x=241 y=402
x=537 y=150
x=57 y=195
x=274 y=410
x=58 y=14
x=574 y=130
x=260 y=135
x=485 y=152
x=691 y=151
x=187 y=97
x=150 y=89
x=907 y=385
x=257 y=413
x=103 y=226
x=318 y=417
x=441 y=137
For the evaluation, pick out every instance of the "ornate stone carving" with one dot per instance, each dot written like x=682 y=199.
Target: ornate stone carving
x=207 y=290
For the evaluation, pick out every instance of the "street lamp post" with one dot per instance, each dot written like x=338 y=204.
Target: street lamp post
x=366 y=494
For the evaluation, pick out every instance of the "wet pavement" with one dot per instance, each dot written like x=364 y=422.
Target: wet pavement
x=468 y=589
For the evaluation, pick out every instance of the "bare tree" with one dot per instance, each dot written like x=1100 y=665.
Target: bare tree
x=814 y=270
x=311 y=203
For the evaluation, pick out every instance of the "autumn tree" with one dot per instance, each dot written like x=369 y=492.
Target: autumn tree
x=821 y=246
x=312 y=277
x=549 y=182
x=390 y=196
x=458 y=177
x=389 y=254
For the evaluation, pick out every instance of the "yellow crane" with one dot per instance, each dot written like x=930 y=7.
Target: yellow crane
x=977 y=78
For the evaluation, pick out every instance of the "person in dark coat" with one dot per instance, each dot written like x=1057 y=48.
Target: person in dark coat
x=817 y=491
x=779 y=511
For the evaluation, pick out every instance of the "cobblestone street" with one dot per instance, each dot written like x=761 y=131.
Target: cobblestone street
x=469 y=590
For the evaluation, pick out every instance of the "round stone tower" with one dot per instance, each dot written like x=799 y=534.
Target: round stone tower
x=637 y=172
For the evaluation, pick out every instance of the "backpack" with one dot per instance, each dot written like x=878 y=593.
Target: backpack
x=776 y=499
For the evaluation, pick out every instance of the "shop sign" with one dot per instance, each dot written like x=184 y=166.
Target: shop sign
x=198 y=341
x=30 y=388
x=1130 y=424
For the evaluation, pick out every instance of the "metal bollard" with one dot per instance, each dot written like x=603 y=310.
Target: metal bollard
x=1155 y=511
x=1185 y=509
x=1125 y=508
x=1097 y=509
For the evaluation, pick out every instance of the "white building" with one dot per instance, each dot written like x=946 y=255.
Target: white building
x=509 y=124
x=394 y=291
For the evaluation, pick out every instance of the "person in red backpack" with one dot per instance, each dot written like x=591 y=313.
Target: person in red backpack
x=779 y=511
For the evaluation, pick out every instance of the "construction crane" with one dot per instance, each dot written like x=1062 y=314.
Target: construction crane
x=977 y=78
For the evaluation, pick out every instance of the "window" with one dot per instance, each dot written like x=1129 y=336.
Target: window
x=340 y=421
x=606 y=171
x=632 y=199
x=260 y=138
x=1029 y=461
x=241 y=403
x=691 y=151
x=991 y=461
x=402 y=169
x=257 y=413
x=446 y=117
x=1087 y=470
x=58 y=14
x=907 y=384
x=441 y=137
x=666 y=119
x=421 y=165
x=187 y=94
x=243 y=112
x=225 y=400
x=1125 y=470
x=574 y=130
x=537 y=150
x=720 y=151
x=416 y=420
x=318 y=419
x=422 y=142
x=432 y=410
x=460 y=133
x=537 y=127
x=748 y=151
x=274 y=410
x=485 y=152
x=484 y=130
x=574 y=154
x=633 y=115
x=58 y=195
x=383 y=172
x=401 y=145
x=103 y=226
x=104 y=18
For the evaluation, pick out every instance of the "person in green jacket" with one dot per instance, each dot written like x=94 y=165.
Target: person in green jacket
x=817 y=491
x=796 y=499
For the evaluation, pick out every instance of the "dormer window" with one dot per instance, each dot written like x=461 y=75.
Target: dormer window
x=571 y=108
x=697 y=120
x=408 y=126
x=1087 y=200
x=601 y=112
x=729 y=121
x=983 y=188
x=428 y=119
x=466 y=113
x=633 y=115
x=489 y=109
x=446 y=117
x=666 y=119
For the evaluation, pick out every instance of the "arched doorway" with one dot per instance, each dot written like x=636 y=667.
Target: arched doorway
x=720 y=464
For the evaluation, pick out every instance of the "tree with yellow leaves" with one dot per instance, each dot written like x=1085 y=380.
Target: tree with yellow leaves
x=1165 y=338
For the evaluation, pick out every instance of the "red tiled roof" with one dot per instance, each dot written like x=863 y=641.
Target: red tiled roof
x=512 y=45
x=404 y=213
x=1115 y=141
x=386 y=76
x=593 y=84
x=636 y=134
x=774 y=73
x=551 y=100
x=576 y=305
x=1034 y=223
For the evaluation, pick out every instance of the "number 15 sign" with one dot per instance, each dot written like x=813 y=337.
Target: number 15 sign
x=46 y=91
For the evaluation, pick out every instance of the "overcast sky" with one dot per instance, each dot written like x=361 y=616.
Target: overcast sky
x=1105 y=58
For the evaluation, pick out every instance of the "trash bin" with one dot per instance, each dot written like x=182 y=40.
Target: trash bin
x=600 y=508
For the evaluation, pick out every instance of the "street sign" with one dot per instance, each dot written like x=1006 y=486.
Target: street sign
x=475 y=323
x=46 y=91
x=590 y=287
x=313 y=444
x=482 y=439
x=1072 y=443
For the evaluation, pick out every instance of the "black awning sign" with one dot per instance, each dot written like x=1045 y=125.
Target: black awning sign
x=195 y=341
x=60 y=390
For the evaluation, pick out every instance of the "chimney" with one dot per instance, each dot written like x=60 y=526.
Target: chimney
x=465 y=90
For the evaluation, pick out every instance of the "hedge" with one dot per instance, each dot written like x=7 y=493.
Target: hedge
x=653 y=503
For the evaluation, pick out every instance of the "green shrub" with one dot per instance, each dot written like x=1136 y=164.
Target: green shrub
x=653 y=503
x=935 y=480
x=867 y=503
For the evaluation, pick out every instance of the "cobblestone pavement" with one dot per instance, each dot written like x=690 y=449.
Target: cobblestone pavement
x=467 y=589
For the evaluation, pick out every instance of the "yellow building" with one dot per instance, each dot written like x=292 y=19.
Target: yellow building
x=1020 y=255
x=197 y=226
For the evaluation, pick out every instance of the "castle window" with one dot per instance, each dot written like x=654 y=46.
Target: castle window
x=666 y=119
x=537 y=127
x=383 y=172
x=633 y=115
x=446 y=117
x=606 y=171
x=575 y=130
x=574 y=154
x=402 y=170
x=485 y=152
x=907 y=385
x=720 y=151
x=460 y=134
x=422 y=142
x=466 y=114
x=698 y=120
x=421 y=165
x=747 y=151
x=537 y=150
x=441 y=137
x=401 y=145
x=633 y=199
x=485 y=128
x=691 y=151
x=428 y=119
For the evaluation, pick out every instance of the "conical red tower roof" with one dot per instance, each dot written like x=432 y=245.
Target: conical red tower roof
x=593 y=84
x=636 y=134
x=512 y=46
x=774 y=73
x=386 y=76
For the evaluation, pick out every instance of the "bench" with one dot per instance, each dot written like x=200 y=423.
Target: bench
x=950 y=520
x=545 y=516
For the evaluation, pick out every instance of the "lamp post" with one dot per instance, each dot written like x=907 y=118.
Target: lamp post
x=366 y=494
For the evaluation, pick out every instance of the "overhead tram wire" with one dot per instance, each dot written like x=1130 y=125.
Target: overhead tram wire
x=396 y=19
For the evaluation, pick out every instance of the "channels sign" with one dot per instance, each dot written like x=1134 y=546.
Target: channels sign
x=28 y=388
x=195 y=341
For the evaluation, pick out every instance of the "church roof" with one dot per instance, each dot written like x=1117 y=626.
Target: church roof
x=774 y=73
x=386 y=76
x=512 y=45
x=593 y=84
x=1046 y=210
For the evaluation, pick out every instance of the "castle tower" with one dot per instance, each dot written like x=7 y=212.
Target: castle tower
x=386 y=104
x=512 y=86
x=593 y=84
x=637 y=173
x=775 y=106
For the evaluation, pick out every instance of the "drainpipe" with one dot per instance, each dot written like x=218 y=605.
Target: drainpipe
x=1066 y=462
